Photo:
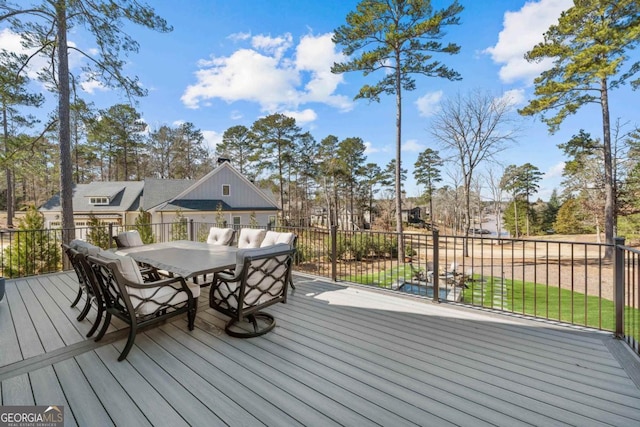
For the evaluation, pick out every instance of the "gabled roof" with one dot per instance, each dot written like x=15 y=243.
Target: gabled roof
x=170 y=194
x=204 y=193
x=123 y=196
x=158 y=191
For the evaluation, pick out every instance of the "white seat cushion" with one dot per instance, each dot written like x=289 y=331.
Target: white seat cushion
x=275 y=237
x=84 y=247
x=130 y=238
x=128 y=266
x=251 y=237
x=160 y=294
x=220 y=236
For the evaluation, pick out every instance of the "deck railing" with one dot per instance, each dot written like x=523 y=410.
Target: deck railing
x=569 y=282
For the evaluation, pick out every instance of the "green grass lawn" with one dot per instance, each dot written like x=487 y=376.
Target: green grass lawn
x=382 y=279
x=544 y=301
x=526 y=298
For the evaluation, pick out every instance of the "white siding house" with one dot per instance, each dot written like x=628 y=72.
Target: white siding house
x=222 y=193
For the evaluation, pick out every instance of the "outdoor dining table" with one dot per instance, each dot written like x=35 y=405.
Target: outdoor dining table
x=184 y=257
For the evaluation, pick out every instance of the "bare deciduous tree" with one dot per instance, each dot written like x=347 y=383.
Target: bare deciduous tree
x=473 y=128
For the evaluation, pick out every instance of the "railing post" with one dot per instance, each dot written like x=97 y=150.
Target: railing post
x=334 y=253
x=618 y=296
x=436 y=266
x=110 y=235
x=191 y=230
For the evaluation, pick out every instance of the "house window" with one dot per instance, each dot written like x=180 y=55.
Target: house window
x=99 y=201
x=226 y=189
x=236 y=220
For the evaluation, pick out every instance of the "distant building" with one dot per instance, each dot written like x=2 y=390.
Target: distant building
x=222 y=192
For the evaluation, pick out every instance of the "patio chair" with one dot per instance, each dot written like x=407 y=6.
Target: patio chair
x=260 y=279
x=86 y=248
x=128 y=239
x=86 y=281
x=221 y=236
x=250 y=237
x=139 y=304
x=274 y=237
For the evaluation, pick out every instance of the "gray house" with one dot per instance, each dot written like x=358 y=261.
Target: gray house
x=222 y=193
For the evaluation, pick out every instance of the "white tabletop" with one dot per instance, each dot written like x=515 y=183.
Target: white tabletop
x=184 y=257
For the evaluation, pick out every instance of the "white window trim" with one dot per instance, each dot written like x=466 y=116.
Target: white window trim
x=99 y=201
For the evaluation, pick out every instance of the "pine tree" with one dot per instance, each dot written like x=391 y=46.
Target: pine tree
x=34 y=250
x=588 y=46
x=396 y=39
x=143 y=225
x=179 y=227
x=98 y=233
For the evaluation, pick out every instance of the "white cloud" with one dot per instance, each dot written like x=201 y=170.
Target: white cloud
x=369 y=148
x=513 y=97
x=236 y=37
x=10 y=41
x=236 y=115
x=265 y=74
x=302 y=117
x=413 y=145
x=212 y=138
x=428 y=104
x=90 y=84
x=554 y=171
x=522 y=31
x=276 y=46
x=316 y=55
x=245 y=75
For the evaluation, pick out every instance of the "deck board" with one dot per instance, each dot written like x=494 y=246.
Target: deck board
x=221 y=406
x=339 y=355
x=122 y=409
x=87 y=408
x=17 y=391
x=9 y=342
x=138 y=389
x=47 y=390
x=28 y=339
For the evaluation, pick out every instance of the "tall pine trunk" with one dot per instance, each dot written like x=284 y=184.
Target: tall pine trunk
x=610 y=196
x=64 y=133
x=398 y=161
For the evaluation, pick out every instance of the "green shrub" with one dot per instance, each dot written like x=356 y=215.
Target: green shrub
x=33 y=249
x=360 y=246
x=98 y=233
x=143 y=225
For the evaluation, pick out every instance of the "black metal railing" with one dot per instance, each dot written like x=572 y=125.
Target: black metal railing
x=569 y=282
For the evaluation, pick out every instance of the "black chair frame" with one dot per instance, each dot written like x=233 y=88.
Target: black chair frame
x=263 y=268
x=123 y=305
x=87 y=284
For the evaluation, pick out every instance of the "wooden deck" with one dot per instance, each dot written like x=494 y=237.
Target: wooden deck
x=340 y=355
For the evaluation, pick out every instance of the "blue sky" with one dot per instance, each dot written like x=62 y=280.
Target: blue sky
x=229 y=63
